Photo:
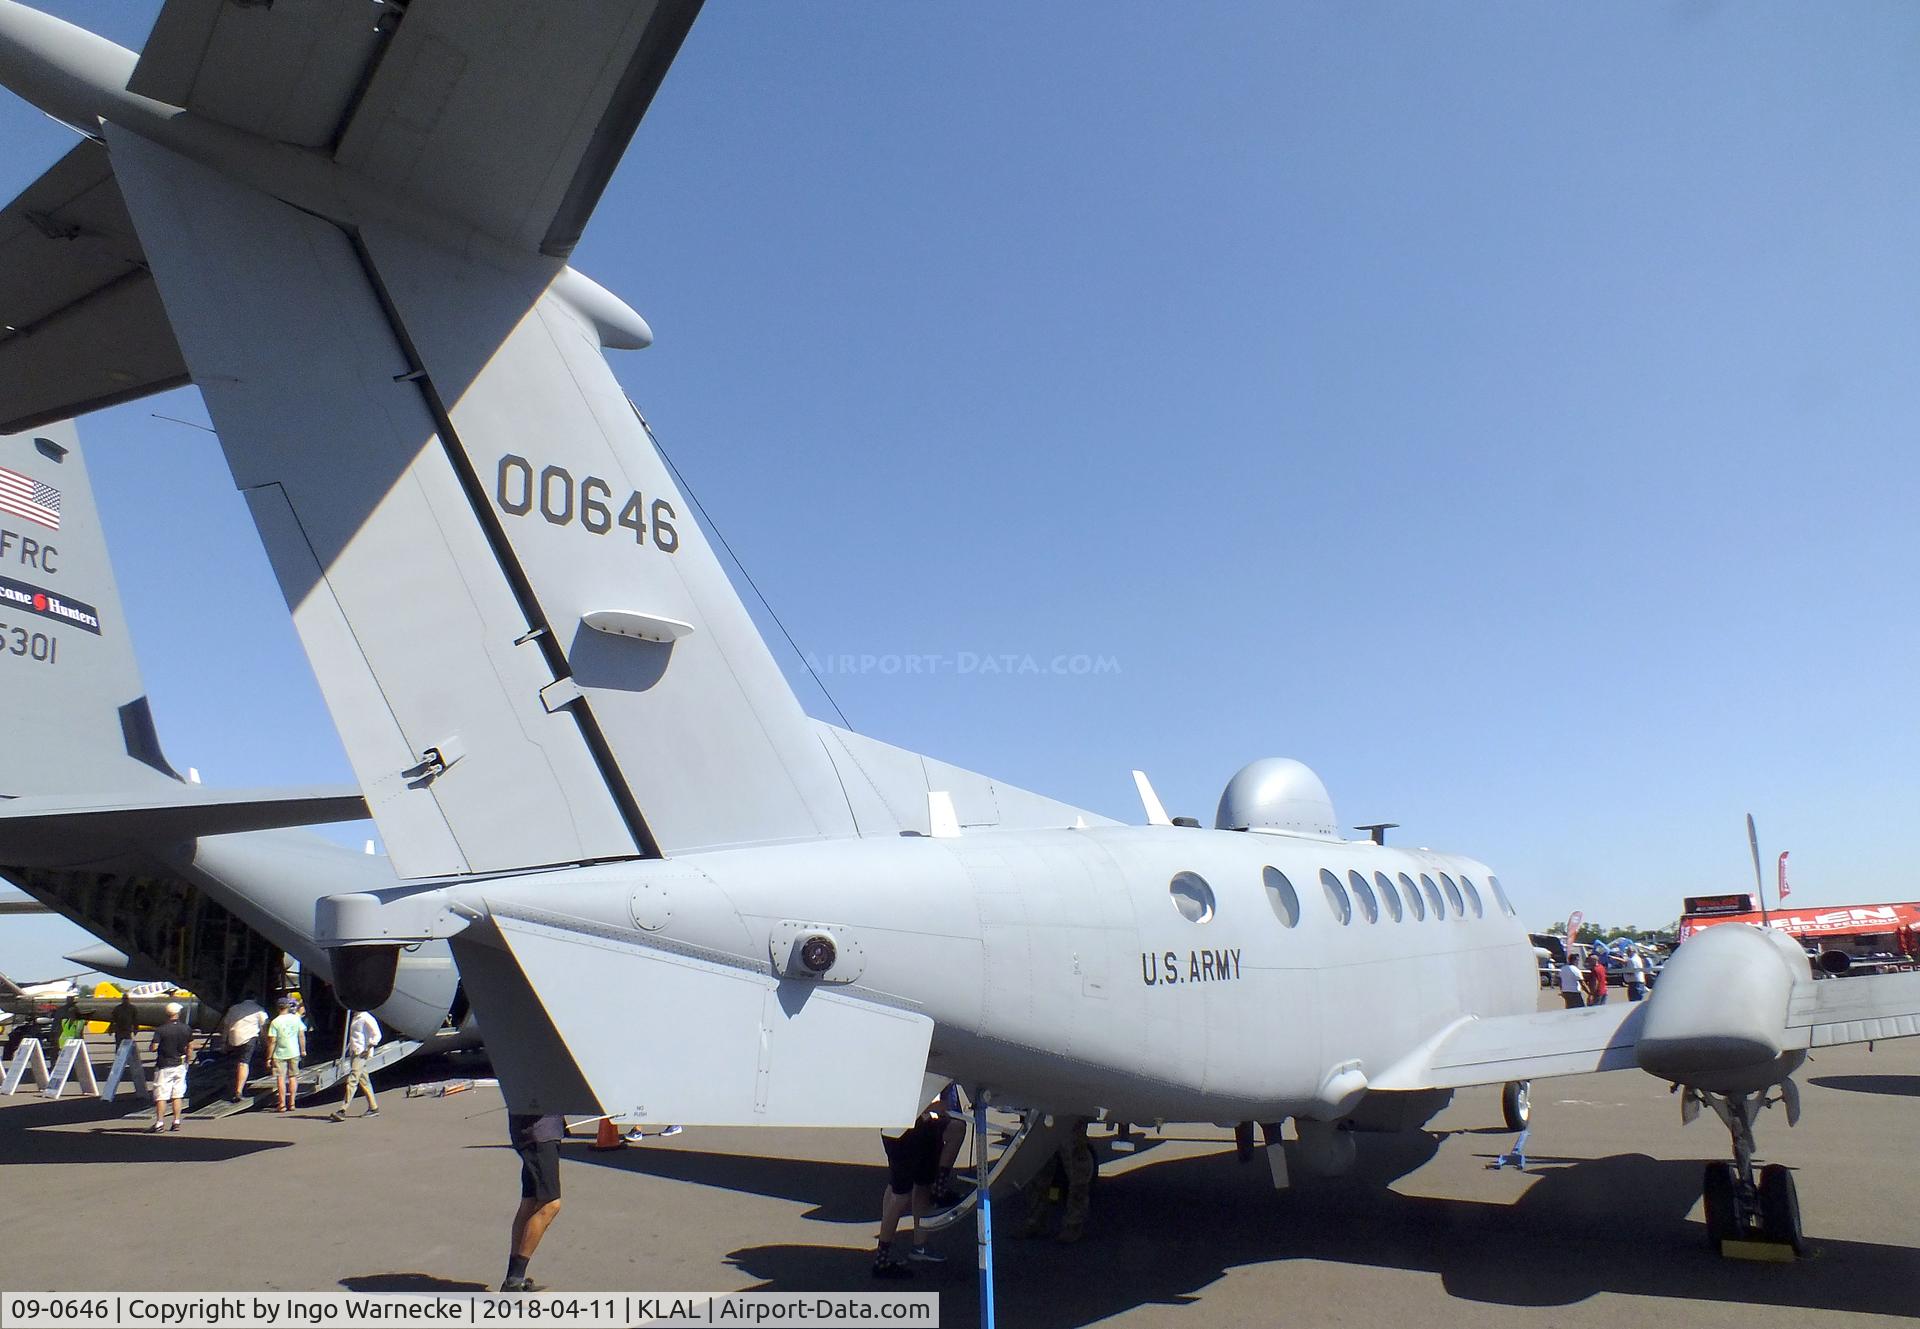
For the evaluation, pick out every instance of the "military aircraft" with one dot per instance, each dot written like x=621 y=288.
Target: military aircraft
x=597 y=787
x=202 y=886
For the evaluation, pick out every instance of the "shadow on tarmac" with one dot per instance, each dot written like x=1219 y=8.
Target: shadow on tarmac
x=408 y=1283
x=1905 y=1086
x=839 y=1192
x=115 y=1137
x=1165 y=1230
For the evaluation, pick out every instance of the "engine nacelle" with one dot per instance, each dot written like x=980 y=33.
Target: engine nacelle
x=1717 y=1019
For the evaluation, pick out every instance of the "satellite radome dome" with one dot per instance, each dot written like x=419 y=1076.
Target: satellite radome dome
x=1280 y=796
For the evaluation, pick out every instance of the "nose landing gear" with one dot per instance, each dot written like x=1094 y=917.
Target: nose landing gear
x=1746 y=1214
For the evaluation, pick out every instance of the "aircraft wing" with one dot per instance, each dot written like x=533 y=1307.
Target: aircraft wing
x=1606 y=1038
x=507 y=116
x=81 y=325
x=1860 y=1010
x=33 y=828
x=1522 y=1047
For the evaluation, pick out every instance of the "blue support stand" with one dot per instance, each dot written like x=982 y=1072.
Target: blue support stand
x=1514 y=1157
x=984 y=1209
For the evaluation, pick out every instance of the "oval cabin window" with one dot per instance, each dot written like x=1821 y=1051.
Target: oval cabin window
x=1384 y=884
x=1336 y=896
x=1415 y=905
x=1191 y=896
x=1364 y=894
x=1281 y=896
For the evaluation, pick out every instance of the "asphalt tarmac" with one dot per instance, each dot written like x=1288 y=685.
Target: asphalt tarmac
x=1602 y=1229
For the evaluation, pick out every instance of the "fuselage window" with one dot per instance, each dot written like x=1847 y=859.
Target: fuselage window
x=1191 y=896
x=1412 y=892
x=1364 y=894
x=1286 y=905
x=1433 y=896
x=1453 y=894
x=1500 y=894
x=1336 y=896
x=1473 y=898
x=1387 y=896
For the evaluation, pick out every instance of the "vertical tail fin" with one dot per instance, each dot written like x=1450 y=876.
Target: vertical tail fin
x=531 y=651
x=77 y=716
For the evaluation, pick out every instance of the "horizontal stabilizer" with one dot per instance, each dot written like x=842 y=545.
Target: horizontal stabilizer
x=701 y=1042
x=84 y=326
x=64 y=828
x=506 y=116
x=1522 y=1047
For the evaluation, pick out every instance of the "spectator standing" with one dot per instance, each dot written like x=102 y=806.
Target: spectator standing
x=1597 y=978
x=1636 y=975
x=287 y=1045
x=172 y=1042
x=536 y=1139
x=913 y=1165
x=363 y=1036
x=124 y=1021
x=245 y=1020
x=71 y=1026
x=1572 y=992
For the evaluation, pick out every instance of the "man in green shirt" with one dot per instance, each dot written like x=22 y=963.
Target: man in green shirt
x=286 y=1044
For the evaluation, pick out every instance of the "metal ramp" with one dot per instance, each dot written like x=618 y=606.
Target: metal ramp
x=226 y=1107
x=324 y=1075
x=316 y=1078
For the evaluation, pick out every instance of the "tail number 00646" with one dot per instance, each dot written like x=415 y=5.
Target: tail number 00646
x=561 y=500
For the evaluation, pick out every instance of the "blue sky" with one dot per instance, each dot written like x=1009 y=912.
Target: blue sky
x=1507 y=409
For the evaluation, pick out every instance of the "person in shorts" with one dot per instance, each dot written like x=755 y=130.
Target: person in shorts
x=913 y=1165
x=172 y=1042
x=286 y=1044
x=536 y=1138
x=245 y=1020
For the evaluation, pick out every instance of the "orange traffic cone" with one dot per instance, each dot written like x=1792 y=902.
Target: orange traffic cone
x=609 y=1136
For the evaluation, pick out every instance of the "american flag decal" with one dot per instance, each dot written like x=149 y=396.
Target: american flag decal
x=24 y=496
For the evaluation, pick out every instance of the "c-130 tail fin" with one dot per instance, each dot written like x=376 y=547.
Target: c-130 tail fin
x=77 y=714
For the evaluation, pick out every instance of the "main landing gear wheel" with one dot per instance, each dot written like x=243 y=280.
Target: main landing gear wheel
x=1516 y=1104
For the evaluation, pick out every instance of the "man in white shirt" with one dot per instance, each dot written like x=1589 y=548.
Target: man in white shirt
x=245 y=1020
x=1572 y=991
x=1636 y=975
x=363 y=1036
